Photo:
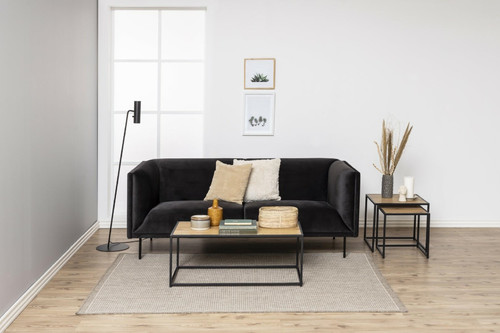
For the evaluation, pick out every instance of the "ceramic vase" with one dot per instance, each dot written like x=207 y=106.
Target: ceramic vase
x=387 y=186
x=215 y=213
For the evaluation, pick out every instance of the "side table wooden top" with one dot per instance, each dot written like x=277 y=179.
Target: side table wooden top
x=378 y=200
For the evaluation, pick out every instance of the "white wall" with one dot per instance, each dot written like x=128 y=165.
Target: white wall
x=343 y=66
x=48 y=135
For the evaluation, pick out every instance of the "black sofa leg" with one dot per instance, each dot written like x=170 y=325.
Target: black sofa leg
x=344 y=246
x=140 y=248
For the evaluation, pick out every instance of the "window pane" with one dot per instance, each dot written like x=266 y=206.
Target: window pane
x=181 y=135
x=121 y=194
x=183 y=34
x=136 y=34
x=135 y=82
x=140 y=142
x=182 y=87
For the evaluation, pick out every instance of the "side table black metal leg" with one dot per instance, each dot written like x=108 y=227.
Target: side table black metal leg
x=344 y=246
x=418 y=228
x=383 y=241
x=414 y=226
x=365 y=225
x=375 y=223
x=428 y=235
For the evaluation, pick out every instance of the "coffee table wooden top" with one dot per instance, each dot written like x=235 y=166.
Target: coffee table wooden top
x=183 y=228
x=378 y=200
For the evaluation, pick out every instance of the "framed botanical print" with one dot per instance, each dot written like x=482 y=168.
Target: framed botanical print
x=259 y=114
x=260 y=73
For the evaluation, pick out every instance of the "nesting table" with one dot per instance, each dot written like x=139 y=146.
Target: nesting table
x=393 y=207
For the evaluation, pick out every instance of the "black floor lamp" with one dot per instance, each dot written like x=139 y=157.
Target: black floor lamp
x=110 y=246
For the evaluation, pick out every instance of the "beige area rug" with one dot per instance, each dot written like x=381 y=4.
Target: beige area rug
x=331 y=284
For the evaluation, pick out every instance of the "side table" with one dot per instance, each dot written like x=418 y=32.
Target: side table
x=378 y=202
x=416 y=212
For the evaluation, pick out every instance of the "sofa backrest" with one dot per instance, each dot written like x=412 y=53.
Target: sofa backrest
x=189 y=179
x=186 y=178
x=304 y=178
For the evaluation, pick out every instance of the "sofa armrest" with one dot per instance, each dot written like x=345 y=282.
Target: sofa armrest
x=343 y=193
x=142 y=193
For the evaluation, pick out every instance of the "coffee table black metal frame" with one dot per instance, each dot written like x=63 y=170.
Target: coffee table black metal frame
x=377 y=204
x=299 y=261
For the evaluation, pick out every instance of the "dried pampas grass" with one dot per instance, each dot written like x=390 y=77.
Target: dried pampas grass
x=388 y=153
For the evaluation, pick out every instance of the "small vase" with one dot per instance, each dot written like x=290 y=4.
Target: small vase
x=215 y=213
x=387 y=186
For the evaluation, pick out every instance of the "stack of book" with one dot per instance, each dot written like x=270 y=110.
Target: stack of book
x=237 y=227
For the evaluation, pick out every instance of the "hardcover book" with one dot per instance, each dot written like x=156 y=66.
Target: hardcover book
x=238 y=225
x=237 y=231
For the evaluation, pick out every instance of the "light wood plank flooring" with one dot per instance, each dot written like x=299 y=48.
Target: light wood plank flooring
x=456 y=290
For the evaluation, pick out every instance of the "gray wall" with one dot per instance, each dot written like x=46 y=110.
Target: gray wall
x=48 y=135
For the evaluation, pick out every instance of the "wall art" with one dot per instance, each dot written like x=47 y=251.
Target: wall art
x=260 y=73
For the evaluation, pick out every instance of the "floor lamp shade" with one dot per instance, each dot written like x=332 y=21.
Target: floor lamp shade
x=137 y=112
x=110 y=246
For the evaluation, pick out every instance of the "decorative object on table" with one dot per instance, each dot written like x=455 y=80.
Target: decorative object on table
x=229 y=182
x=389 y=152
x=238 y=227
x=200 y=222
x=409 y=184
x=278 y=216
x=215 y=213
x=264 y=179
x=258 y=114
x=259 y=73
x=402 y=193
x=110 y=246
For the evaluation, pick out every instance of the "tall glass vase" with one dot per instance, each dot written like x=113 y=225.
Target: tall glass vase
x=387 y=186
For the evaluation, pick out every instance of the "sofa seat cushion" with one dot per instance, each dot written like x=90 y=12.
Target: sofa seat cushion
x=161 y=220
x=316 y=217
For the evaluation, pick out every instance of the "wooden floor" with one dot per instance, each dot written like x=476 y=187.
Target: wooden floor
x=456 y=290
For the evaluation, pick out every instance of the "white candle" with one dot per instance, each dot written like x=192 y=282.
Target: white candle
x=409 y=182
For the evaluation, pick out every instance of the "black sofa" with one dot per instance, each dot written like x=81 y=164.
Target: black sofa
x=164 y=191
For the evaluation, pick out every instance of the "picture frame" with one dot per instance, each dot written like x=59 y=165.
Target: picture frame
x=260 y=73
x=258 y=117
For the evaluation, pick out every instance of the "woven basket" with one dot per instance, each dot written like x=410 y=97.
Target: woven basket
x=278 y=217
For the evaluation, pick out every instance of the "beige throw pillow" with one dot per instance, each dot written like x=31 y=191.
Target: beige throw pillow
x=264 y=179
x=229 y=182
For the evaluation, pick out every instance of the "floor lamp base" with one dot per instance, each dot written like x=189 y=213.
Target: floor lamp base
x=113 y=247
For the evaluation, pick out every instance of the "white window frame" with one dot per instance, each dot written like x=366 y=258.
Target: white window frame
x=105 y=178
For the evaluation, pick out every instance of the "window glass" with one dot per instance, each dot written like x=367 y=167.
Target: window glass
x=136 y=34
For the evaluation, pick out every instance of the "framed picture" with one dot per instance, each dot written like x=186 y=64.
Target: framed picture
x=259 y=114
x=260 y=73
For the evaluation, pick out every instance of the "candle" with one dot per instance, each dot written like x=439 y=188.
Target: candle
x=409 y=182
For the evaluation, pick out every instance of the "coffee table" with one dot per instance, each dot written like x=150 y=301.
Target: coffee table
x=183 y=230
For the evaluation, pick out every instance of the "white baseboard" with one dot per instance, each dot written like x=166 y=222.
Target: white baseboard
x=438 y=224
x=116 y=224
x=28 y=296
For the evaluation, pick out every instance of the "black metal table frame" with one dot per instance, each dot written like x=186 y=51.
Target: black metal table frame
x=415 y=237
x=376 y=208
x=299 y=262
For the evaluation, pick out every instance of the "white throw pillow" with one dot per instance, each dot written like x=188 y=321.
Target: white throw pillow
x=264 y=180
